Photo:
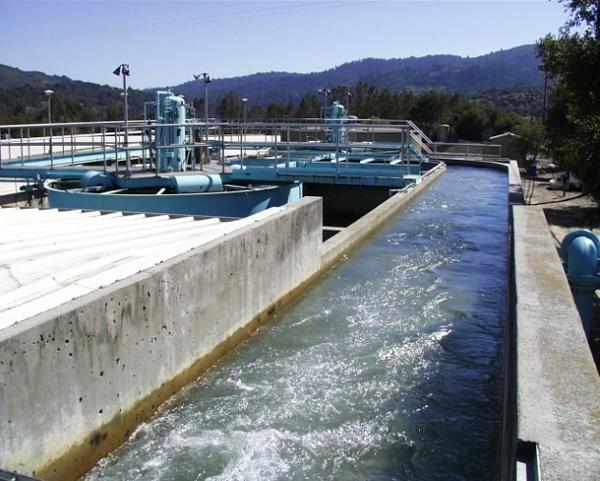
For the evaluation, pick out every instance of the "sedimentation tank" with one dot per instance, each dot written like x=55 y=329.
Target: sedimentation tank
x=390 y=368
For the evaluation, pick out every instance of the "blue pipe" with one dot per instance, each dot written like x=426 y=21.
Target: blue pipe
x=580 y=250
x=181 y=184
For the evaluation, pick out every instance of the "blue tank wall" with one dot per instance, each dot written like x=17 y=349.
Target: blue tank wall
x=217 y=204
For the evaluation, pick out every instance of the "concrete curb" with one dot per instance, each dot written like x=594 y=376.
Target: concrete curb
x=557 y=384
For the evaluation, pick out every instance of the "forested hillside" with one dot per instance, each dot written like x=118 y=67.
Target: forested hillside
x=512 y=72
x=22 y=98
x=509 y=79
x=469 y=119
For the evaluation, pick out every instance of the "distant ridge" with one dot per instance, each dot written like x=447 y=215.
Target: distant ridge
x=509 y=78
x=22 y=98
x=512 y=69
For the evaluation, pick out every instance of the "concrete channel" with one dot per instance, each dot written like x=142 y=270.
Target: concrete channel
x=94 y=368
x=551 y=426
x=64 y=405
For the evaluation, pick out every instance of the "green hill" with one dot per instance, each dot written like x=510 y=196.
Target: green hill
x=509 y=79
x=22 y=98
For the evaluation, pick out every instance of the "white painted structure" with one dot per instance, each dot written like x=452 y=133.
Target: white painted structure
x=48 y=257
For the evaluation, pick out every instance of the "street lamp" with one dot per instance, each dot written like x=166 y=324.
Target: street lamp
x=206 y=79
x=49 y=95
x=123 y=70
x=244 y=102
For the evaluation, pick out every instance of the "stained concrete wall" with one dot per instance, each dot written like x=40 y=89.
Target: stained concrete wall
x=76 y=381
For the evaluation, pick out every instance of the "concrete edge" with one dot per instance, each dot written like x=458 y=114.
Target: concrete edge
x=358 y=231
x=78 y=302
x=80 y=457
x=557 y=384
x=527 y=422
x=88 y=452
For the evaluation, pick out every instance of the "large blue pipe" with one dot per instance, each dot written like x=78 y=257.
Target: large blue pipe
x=180 y=184
x=580 y=250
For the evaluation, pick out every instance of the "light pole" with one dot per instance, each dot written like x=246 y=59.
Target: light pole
x=49 y=96
x=325 y=93
x=206 y=79
x=348 y=95
x=123 y=70
x=244 y=102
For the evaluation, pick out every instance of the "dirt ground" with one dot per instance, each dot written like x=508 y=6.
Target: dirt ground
x=566 y=211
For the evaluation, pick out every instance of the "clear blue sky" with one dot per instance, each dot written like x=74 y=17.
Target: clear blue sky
x=165 y=42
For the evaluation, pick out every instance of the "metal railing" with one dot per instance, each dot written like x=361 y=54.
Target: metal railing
x=468 y=150
x=67 y=144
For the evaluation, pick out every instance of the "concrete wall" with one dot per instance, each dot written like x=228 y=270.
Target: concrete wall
x=551 y=428
x=76 y=381
x=557 y=384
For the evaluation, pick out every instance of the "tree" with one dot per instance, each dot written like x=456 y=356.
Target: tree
x=586 y=13
x=230 y=106
x=471 y=122
x=530 y=142
x=309 y=107
x=198 y=104
x=571 y=61
x=429 y=110
x=256 y=112
x=275 y=110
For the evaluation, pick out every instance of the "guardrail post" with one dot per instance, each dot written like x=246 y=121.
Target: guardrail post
x=287 y=162
x=51 y=150
x=22 y=155
x=337 y=154
x=116 y=134
x=104 y=147
x=222 y=138
x=72 y=146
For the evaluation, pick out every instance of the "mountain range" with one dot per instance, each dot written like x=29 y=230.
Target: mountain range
x=510 y=77
x=505 y=70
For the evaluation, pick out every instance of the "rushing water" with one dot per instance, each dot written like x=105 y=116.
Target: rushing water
x=390 y=369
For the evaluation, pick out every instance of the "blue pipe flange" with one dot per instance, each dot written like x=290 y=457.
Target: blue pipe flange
x=564 y=248
x=580 y=250
x=582 y=265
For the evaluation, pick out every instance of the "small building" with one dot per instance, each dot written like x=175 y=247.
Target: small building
x=508 y=141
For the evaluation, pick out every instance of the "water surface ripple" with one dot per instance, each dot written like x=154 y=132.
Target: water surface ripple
x=390 y=369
